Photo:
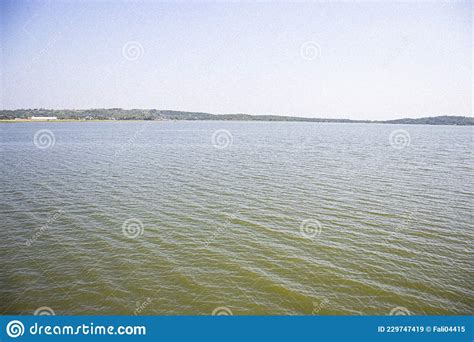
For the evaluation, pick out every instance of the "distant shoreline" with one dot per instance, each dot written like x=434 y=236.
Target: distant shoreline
x=118 y=114
x=9 y=121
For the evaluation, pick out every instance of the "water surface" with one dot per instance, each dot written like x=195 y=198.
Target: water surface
x=267 y=218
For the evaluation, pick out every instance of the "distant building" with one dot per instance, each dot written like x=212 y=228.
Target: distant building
x=44 y=118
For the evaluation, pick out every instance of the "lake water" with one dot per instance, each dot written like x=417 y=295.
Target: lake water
x=265 y=218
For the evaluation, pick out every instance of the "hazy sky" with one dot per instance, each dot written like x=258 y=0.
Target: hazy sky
x=368 y=60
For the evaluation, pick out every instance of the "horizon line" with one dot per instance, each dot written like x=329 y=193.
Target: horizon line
x=223 y=114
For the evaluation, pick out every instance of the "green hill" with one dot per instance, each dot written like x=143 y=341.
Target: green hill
x=154 y=114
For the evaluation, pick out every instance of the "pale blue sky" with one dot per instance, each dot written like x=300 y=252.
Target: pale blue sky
x=376 y=61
